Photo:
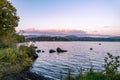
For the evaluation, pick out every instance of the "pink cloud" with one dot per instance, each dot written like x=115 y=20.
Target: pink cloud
x=33 y=31
x=30 y=29
x=79 y=33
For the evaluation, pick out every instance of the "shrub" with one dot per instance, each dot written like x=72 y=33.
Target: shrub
x=30 y=51
x=13 y=60
x=111 y=67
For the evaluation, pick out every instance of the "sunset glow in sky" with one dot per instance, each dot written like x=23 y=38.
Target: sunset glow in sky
x=91 y=16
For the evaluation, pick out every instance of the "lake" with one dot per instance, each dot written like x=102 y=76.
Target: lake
x=78 y=55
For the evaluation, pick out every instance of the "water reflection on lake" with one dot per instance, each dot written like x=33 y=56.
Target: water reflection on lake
x=79 y=54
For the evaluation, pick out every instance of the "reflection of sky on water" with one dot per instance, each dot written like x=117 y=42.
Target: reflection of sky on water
x=79 y=54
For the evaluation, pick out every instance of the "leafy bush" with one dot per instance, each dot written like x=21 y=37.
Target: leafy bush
x=111 y=67
x=13 y=60
x=30 y=51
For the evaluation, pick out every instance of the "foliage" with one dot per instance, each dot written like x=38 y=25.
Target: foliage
x=69 y=76
x=20 y=38
x=8 y=18
x=30 y=51
x=111 y=67
x=8 y=41
x=13 y=60
x=8 y=22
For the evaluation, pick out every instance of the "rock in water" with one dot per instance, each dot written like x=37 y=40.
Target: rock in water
x=91 y=48
x=35 y=56
x=99 y=43
x=59 y=50
x=51 y=51
x=43 y=51
x=38 y=51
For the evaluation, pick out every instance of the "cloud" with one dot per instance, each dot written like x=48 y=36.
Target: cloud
x=54 y=32
x=94 y=31
x=107 y=26
x=79 y=33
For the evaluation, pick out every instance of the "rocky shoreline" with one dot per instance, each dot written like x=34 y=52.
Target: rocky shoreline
x=25 y=75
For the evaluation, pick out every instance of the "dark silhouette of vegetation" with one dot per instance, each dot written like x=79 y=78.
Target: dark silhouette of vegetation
x=111 y=66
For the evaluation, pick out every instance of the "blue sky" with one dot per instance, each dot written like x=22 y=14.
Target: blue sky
x=91 y=16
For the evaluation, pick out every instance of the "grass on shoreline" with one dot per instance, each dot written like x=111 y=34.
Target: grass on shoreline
x=111 y=65
x=14 y=60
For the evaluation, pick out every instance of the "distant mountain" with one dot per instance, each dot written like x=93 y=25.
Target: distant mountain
x=70 y=38
x=30 y=36
x=116 y=37
x=47 y=38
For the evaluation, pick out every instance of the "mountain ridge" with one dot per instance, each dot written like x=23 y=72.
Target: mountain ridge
x=70 y=38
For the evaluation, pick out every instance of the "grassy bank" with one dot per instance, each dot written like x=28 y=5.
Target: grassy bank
x=14 y=60
x=15 y=64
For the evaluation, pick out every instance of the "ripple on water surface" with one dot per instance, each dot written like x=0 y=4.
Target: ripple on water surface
x=79 y=54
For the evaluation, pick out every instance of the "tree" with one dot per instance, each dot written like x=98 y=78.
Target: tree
x=8 y=20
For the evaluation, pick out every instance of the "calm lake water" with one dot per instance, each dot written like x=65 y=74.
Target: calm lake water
x=79 y=54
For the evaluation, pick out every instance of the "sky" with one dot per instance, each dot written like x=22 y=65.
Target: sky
x=90 y=16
